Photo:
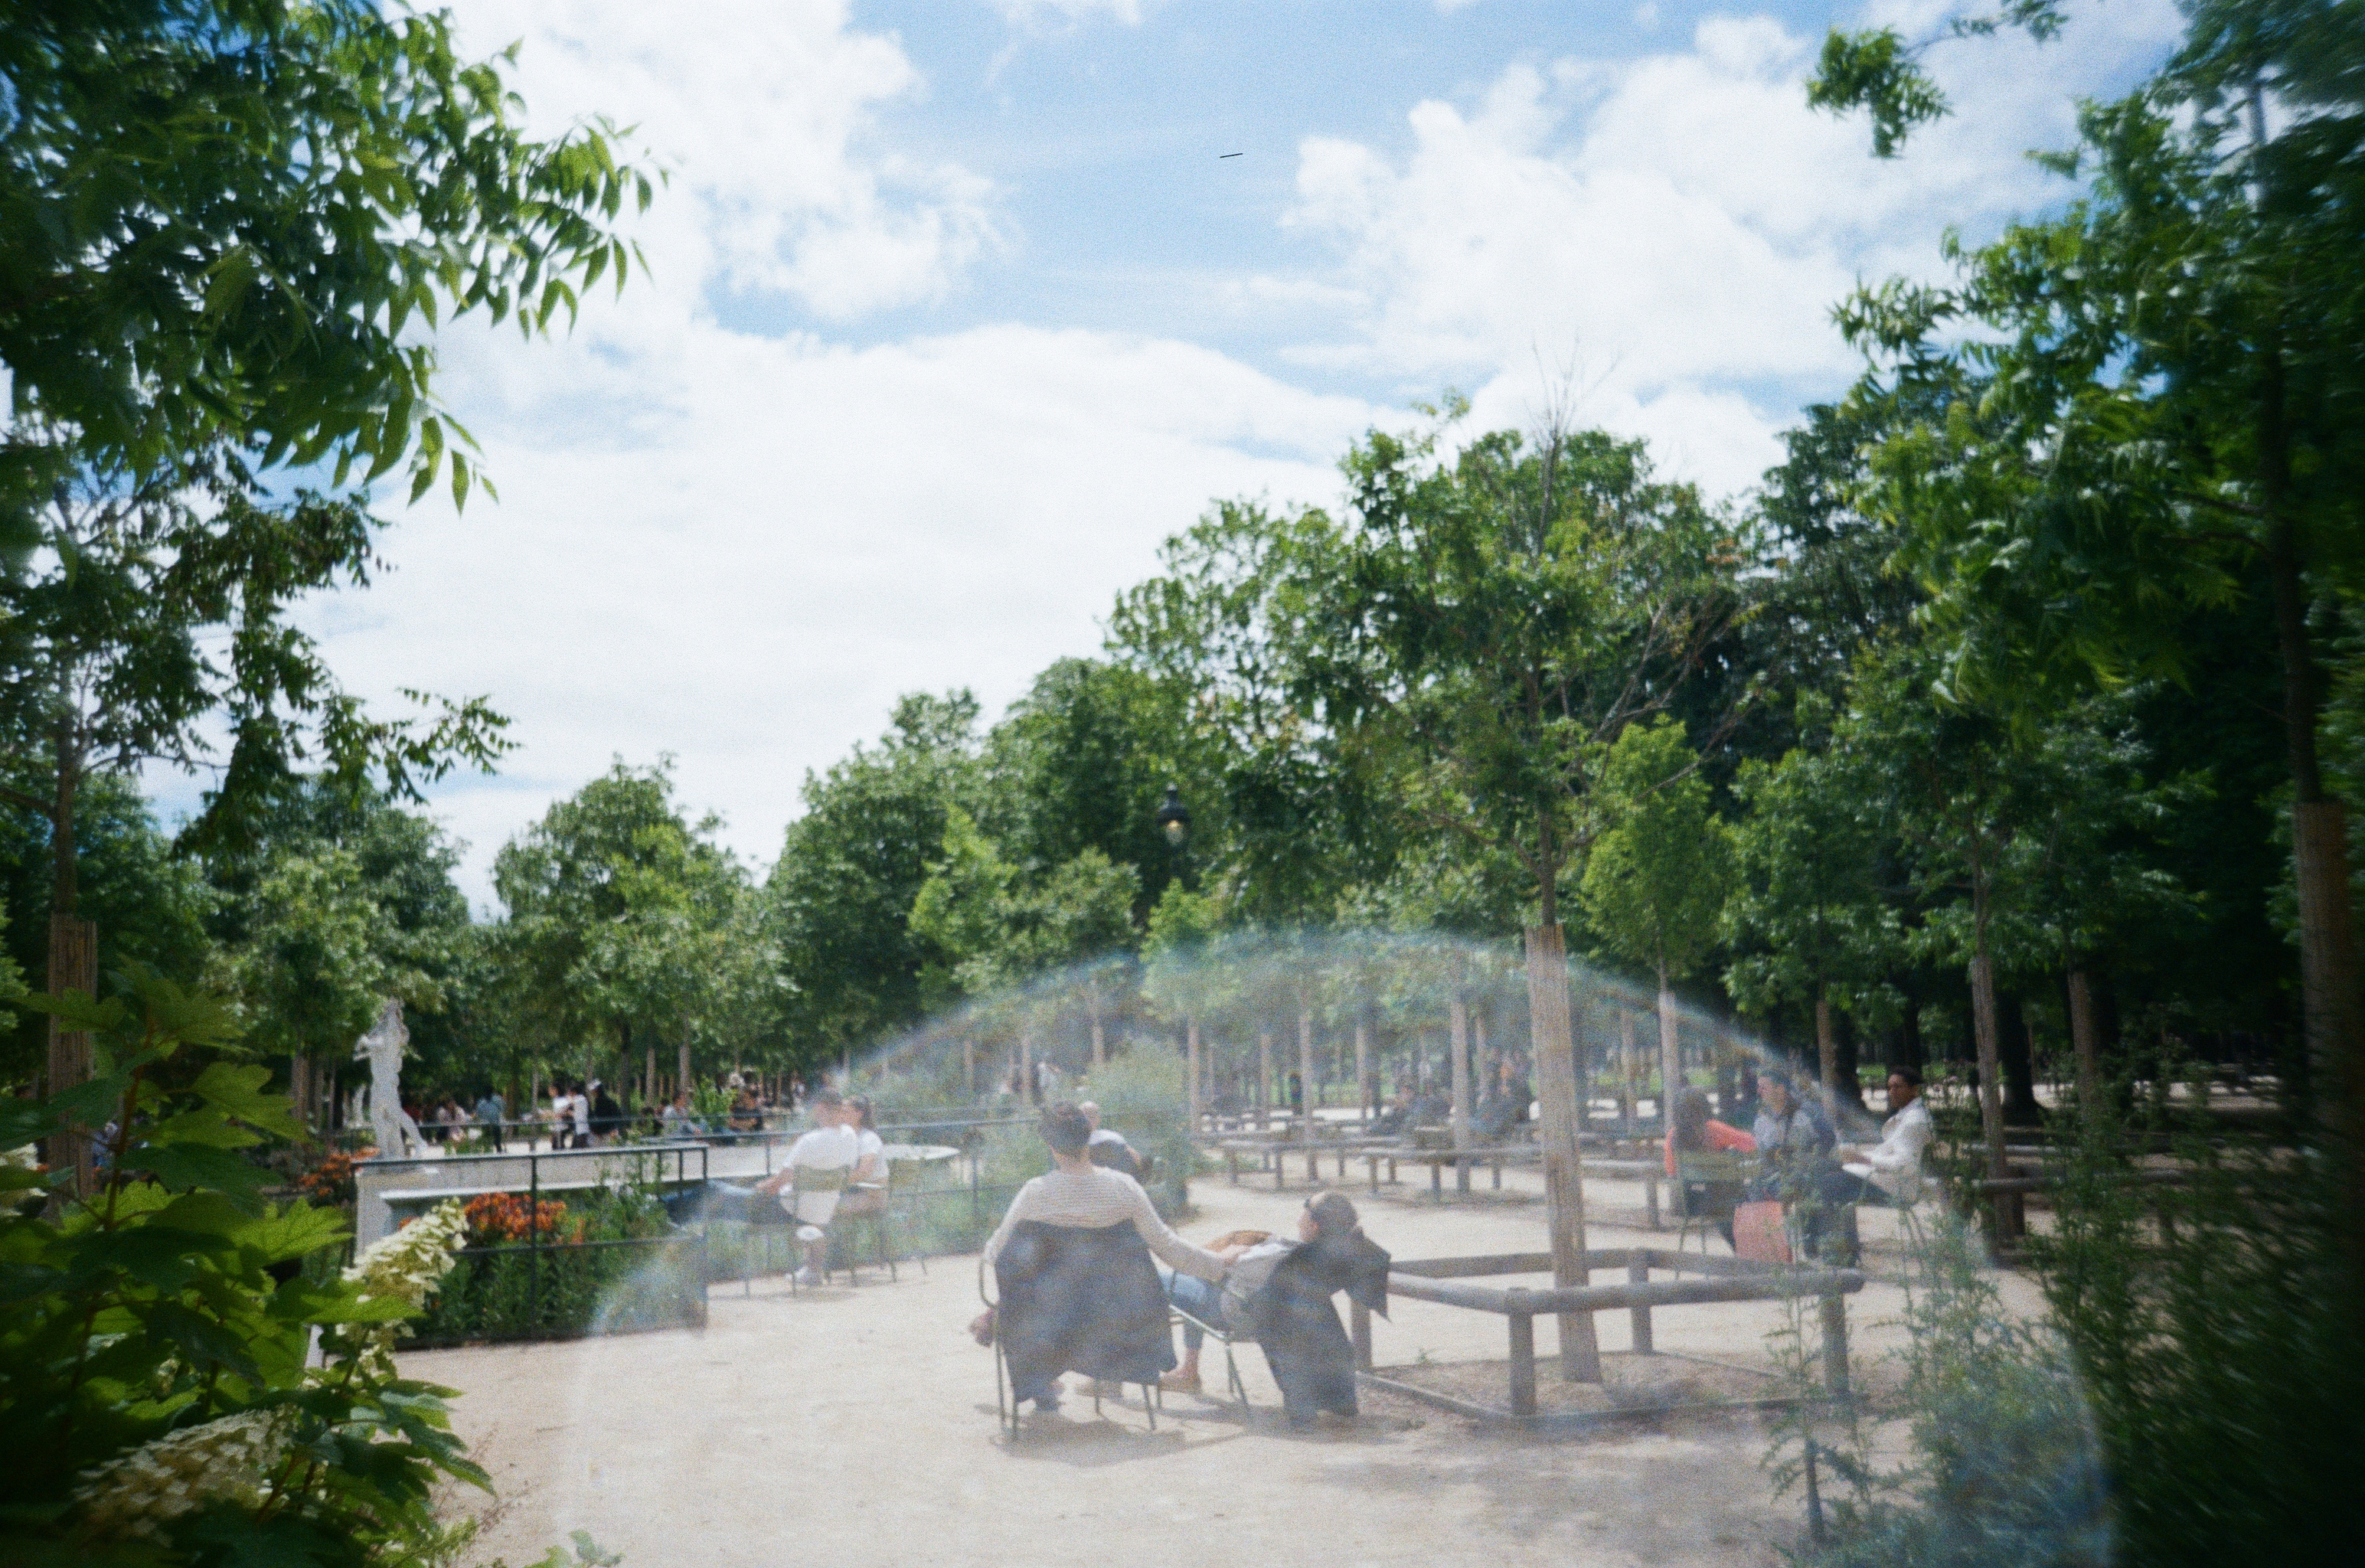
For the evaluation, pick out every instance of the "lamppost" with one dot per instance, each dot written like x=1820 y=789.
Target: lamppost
x=1173 y=819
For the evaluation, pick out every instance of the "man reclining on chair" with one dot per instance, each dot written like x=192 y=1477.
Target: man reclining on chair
x=1071 y=1261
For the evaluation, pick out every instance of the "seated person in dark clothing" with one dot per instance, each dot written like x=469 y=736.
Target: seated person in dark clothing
x=1506 y=1106
x=1108 y=1148
x=1396 y=1118
x=1431 y=1110
x=1293 y=1318
x=1204 y=1300
x=1071 y=1261
x=1282 y=1288
x=1794 y=1144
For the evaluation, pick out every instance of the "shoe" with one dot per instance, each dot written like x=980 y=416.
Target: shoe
x=806 y=1276
x=1180 y=1382
x=1048 y=1404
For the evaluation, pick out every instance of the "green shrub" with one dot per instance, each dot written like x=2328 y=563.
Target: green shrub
x=2221 y=1357
x=1142 y=1094
x=152 y=1359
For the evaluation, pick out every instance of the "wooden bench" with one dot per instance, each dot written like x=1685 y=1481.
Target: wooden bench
x=1446 y=1281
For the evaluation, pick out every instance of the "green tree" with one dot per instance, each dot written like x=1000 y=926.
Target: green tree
x=2148 y=403
x=617 y=909
x=219 y=219
x=320 y=954
x=1082 y=762
x=154 y=905
x=1481 y=637
x=1809 y=898
x=1656 y=879
x=839 y=899
x=380 y=880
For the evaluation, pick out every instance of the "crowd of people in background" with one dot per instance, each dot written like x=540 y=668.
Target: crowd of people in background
x=585 y=1113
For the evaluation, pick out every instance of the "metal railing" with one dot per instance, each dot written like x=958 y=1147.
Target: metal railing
x=534 y=1246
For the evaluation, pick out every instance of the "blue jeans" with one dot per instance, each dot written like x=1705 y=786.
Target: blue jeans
x=1203 y=1299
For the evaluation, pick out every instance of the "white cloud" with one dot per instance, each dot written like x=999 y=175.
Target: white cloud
x=764 y=112
x=1034 y=13
x=1680 y=224
x=739 y=547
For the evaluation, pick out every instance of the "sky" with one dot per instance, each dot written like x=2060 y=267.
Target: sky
x=955 y=309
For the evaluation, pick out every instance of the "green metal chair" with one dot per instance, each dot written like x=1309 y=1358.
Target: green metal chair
x=1696 y=1177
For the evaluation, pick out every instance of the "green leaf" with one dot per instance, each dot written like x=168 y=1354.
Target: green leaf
x=238 y=1089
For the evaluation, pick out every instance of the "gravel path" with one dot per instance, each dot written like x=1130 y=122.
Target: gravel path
x=856 y=1425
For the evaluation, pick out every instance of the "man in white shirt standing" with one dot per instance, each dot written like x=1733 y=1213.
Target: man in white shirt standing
x=832 y=1145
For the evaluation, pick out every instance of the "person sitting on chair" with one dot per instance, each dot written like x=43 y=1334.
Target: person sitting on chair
x=1395 y=1119
x=865 y=1189
x=1506 y=1106
x=1088 y=1320
x=1108 y=1148
x=1794 y=1143
x=1694 y=1131
x=833 y=1145
x=1206 y=1301
x=1292 y=1316
x=1888 y=1173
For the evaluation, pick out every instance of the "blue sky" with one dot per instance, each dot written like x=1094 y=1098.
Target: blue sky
x=956 y=312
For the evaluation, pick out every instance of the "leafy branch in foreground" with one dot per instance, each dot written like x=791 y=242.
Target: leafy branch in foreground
x=155 y=1335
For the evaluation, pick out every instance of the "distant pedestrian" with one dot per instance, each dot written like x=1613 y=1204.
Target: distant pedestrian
x=491 y=1111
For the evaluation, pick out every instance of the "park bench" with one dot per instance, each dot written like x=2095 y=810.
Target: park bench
x=1451 y=1282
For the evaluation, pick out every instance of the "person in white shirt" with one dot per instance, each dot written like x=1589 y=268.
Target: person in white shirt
x=582 y=1113
x=1891 y=1170
x=832 y=1145
x=1081 y=1196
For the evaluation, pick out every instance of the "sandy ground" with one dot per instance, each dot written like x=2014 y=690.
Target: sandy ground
x=856 y=1425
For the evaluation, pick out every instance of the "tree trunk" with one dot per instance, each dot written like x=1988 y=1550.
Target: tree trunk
x=1983 y=1029
x=1458 y=1022
x=1305 y=1074
x=1191 y=1066
x=681 y=1073
x=1625 y=1071
x=1671 y=1053
x=1365 y=1088
x=1264 y=1078
x=1552 y=1046
x=969 y=1066
x=2083 y=1041
x=2327 y=940
x=1029 y=1093
x=1100 y=1040
x=74 y=965
x=1827 y=1044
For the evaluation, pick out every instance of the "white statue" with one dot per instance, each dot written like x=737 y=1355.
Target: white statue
x=397 y=1135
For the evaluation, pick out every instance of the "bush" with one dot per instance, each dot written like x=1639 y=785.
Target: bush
x=2221 y=1357
x=154 y=1336
x=2192 y=1399
x=1142 y=1094
x=504 y=1288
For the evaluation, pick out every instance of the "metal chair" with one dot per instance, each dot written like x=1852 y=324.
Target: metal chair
x=1696 y=1174
x=1005 y=1389
x=814 y=1181
x=872 y=1205
x=1226 y=1338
